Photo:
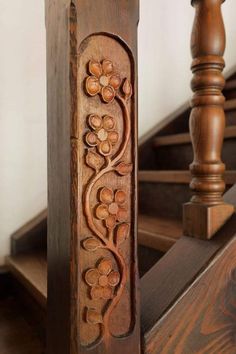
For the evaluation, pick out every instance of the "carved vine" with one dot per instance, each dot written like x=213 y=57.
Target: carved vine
x=105 y=282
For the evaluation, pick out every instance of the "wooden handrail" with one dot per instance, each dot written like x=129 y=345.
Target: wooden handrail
x=207 y=212
x=93 y=302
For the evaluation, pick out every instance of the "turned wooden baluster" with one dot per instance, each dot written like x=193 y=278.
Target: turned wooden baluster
x=207 y=212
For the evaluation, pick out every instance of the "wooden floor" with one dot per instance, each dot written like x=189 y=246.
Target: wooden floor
x=17 y=336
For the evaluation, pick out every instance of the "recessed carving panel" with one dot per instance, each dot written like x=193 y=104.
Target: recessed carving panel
x=105 y=129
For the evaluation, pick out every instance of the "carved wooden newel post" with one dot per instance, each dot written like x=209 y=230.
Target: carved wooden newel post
x=93 y=306
x=207 y=212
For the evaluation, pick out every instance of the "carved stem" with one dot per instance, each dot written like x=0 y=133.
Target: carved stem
x=123 y=271
x=109 y=243
x=127 y=128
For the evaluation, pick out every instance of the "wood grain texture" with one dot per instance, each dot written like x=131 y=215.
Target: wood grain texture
x=178 y=268
x=185 y=138
x=92 y=135
x=204 y=319
x=207 y=123
x=158 y=233
x=181 y=177
x=31 y=270
x=32 y=235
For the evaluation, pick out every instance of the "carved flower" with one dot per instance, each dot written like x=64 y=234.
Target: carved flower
x=103 y=80
x=103 y=134
x=102 y=280
x=111 y=209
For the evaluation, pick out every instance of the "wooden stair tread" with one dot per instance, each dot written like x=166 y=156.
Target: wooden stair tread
x=31 y=270
x=182 y=177
x=184 y=138
x=158 y=233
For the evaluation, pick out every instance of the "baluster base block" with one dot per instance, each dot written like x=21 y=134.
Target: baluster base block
x=203 y=221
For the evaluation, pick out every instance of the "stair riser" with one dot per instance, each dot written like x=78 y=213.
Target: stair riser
x=179 y=157
x=163 y=199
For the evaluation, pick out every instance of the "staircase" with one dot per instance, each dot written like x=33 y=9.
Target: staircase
x=164 y=174
x=162 y=177
x=72 y=272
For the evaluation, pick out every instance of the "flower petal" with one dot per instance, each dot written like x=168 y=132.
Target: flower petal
x=124 y=168
x=105 y=148
x=108 y=94
x=91 y=139
x=122 y=215
x=120 y=197
x=102 y=212
x=107 y=293
x=110 y=222
x=107 y=67
x=95 y=68
x=108 y=123
x=96 y=292
x=92 y=277
x=95 y=121
x=92 y=86
x=105 y=266
x=93 y=317
x=113 y=137
x=115 y=81
x=114 y=278
x=106 y=195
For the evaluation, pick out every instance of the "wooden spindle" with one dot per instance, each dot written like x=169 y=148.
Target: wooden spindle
x=93 y=302
x=207 y=212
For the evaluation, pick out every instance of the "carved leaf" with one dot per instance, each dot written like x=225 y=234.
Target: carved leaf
x=127 y=89
x=122 y=233
x=94 y=160
x=124 y=168
x=91 y=244
x=93 y=317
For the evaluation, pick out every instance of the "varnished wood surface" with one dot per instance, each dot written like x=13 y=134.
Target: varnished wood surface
x=184 y=138
x=32 y=235
x=158 y=233
x=230 y=105
x=204 y=320
x=182 y=177
x=230 y=85
x=31 y=270
x=206 y=212
x=178 y=268
x=83 y=38
x=17 y=336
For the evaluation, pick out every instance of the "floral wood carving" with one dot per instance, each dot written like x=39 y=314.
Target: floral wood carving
x=107 y=279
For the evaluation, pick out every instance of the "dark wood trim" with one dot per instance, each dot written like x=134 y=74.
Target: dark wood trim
x=32 y=235
x=172 y=275
x=203 y=319
x=181 y=177
x=31 y=270
x=184 y=138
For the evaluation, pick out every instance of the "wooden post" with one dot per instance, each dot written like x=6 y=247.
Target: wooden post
x=93 y=302
x=207 y=212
